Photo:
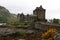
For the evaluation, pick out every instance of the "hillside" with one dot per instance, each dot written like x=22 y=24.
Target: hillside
x=5 y=15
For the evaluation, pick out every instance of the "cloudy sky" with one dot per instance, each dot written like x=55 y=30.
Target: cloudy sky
x=27 y=6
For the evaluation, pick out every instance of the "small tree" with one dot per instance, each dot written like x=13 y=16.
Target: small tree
x=56 y=21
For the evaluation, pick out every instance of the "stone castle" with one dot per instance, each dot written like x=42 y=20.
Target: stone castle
x=38 y=19
x=39 y=24
x=38 y=14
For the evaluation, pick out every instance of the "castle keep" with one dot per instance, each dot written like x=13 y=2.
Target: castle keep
x=38 y=14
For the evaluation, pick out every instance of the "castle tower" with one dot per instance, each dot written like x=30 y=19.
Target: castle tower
x=40 y=12
x=20 y=17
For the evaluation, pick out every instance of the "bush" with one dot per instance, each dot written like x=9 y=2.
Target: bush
x=49 y=34
x=22 y=33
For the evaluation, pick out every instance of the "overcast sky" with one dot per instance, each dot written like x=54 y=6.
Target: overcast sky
x=27 y=6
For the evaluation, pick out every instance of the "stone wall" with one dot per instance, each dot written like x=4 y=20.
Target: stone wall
x=45 y=26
